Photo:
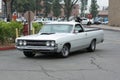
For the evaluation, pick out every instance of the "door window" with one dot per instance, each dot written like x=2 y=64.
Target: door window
x=78 y=28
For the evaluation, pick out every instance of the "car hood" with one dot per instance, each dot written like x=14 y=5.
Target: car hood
x=46 y=36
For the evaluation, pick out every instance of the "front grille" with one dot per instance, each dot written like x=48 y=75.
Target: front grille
x=35 y=43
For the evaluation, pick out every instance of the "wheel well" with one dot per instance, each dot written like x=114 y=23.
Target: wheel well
x=68 y=44
x=94 y=39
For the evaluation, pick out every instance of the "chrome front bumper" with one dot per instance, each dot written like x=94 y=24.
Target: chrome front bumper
x=37 y=48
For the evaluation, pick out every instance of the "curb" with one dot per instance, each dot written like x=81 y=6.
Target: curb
x=7 y=48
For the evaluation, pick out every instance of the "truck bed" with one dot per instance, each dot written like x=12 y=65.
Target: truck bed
x=87 y=29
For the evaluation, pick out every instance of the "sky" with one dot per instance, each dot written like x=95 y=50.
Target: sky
x=101 y=3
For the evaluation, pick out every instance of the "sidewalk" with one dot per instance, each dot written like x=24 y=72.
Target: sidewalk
x=107 y=27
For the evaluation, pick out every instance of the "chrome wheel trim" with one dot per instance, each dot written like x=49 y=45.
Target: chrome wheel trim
x=93 y=45
x=65 y=51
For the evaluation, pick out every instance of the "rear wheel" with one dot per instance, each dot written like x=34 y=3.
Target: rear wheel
x=92 y=46
x=65 y=51
x=29 y=54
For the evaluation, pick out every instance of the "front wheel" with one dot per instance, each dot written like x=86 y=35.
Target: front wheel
x=65 y=51
x=92 y=46
x=29 y=54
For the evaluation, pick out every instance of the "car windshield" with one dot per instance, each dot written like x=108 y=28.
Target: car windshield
x=56 y=28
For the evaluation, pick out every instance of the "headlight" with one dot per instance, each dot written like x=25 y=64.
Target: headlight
x=47 y=43
x=24 y=43
x=20 y=43
x=52 y=43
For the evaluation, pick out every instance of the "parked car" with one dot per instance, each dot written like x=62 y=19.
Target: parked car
x=87 y=21
x=60 y=38
x=21 y=19
x=43 y=20
x=105 y=20
x=98 y=20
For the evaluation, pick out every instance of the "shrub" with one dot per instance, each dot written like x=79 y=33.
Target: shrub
x=2 y=33
x=37 y=26
x=15 y=25
x=7 y=31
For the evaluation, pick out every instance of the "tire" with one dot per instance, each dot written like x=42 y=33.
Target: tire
x=92 y=46
x=29 y=54
x=65 y=51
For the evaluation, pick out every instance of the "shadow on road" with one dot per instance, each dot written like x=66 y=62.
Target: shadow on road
x=76 y=54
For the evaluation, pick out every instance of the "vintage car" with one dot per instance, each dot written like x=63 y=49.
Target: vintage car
x=60 y=38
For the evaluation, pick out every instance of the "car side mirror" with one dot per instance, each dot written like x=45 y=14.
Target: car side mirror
x=76 y=31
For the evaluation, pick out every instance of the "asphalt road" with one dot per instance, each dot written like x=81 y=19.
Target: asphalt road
x=103 y=64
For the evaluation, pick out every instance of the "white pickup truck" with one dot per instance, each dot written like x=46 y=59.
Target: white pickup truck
x=60 y=38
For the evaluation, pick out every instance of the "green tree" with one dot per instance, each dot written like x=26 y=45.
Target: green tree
x=38 y=6
x=83 y=7
x=94 y=8
x=23 y=5
x=47 y=7
x=56 y=8
x=69 y=4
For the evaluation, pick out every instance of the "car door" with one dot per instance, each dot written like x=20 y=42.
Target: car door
x=79 y=38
